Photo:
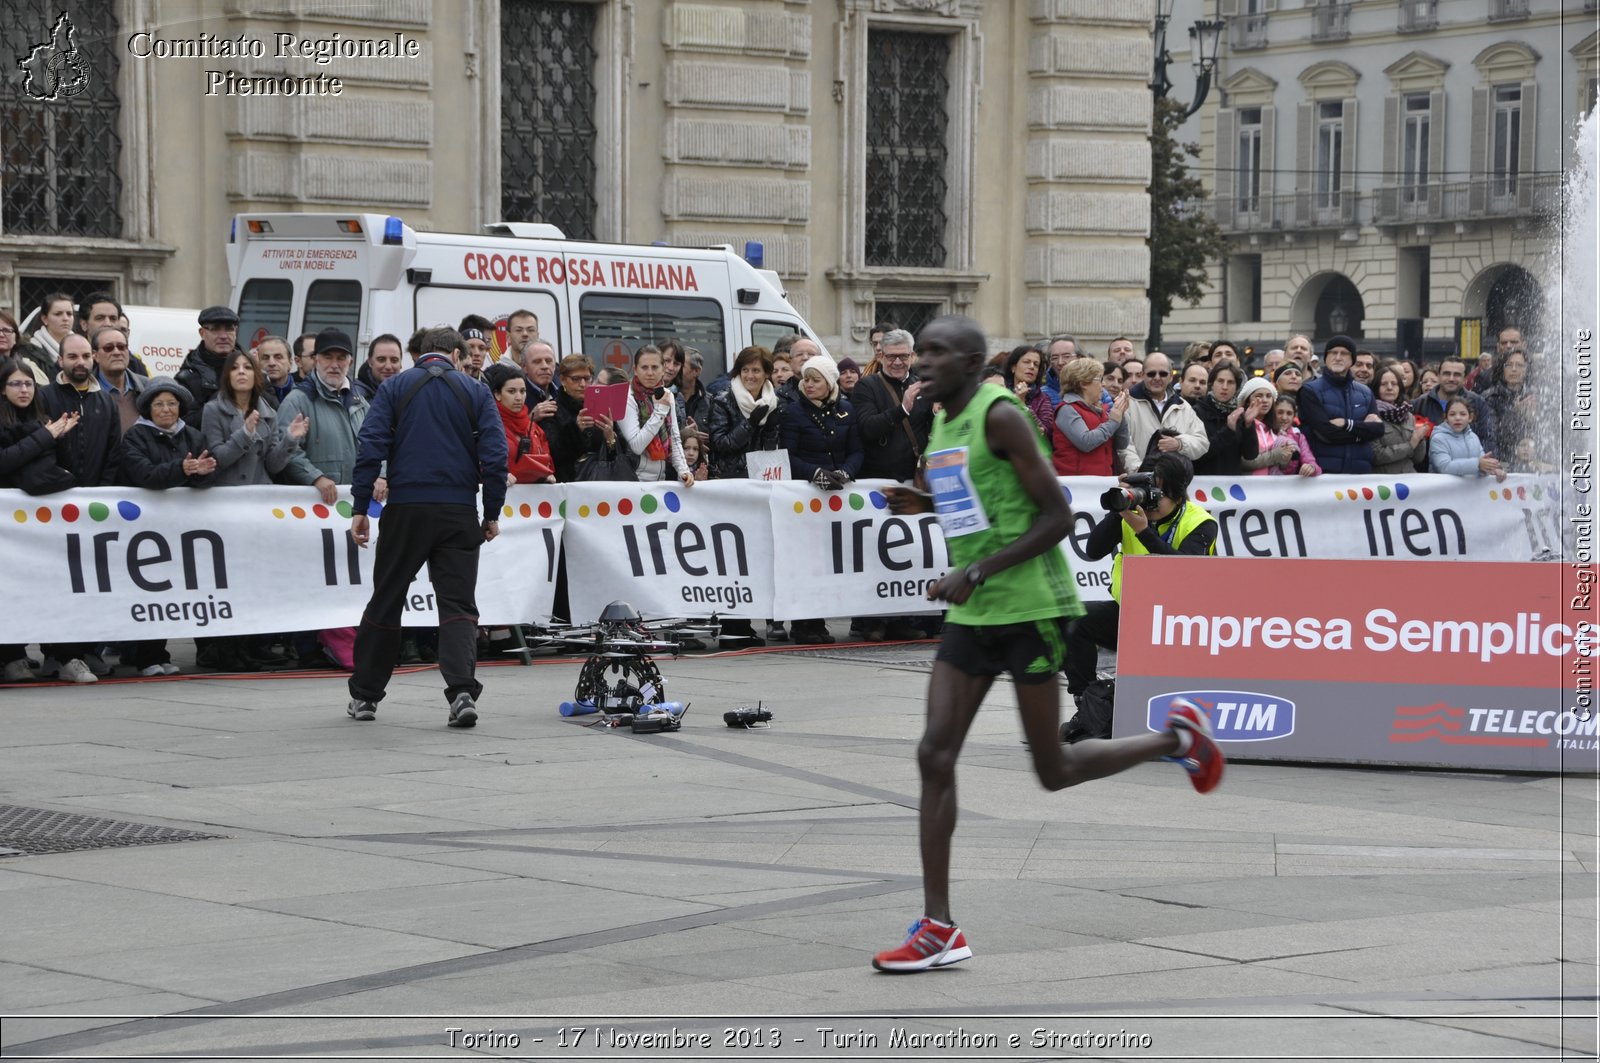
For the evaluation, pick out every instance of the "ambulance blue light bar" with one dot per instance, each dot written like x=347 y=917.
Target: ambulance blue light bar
x=393 y=230
x=754 y=253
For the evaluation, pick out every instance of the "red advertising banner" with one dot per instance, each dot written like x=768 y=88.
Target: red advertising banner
x=1460 y=664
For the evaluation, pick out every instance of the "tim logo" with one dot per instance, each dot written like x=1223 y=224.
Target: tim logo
x=1236 y=715
x=54 y=69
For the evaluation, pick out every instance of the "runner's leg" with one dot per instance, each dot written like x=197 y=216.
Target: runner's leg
x=953 y=700
x=1059 y=766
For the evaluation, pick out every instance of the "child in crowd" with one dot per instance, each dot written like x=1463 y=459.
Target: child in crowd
x=1290 y=441
x=1454 y=448
x=694 y=459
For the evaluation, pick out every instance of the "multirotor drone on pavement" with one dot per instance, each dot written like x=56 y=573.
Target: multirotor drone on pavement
x=620 y=678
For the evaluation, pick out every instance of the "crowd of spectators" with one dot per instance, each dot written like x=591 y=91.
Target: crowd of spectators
x=80 y=410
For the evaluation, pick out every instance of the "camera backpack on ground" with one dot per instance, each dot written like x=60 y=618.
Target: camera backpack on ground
x=1094 y=712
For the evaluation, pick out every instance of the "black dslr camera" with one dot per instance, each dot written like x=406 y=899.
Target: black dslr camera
x=1141 y=491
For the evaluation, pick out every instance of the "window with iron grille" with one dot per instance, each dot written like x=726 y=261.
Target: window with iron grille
x=547 y=114
x=60 y=167
x=908 y=316
x=908 y=123
x=31 y=290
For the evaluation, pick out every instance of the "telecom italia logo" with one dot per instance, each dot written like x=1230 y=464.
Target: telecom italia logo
x=1235 y=715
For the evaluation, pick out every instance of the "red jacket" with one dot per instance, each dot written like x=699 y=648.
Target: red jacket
x=527 y=450
x=1068 y=459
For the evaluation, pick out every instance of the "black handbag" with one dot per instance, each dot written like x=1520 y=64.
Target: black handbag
x=616 y=463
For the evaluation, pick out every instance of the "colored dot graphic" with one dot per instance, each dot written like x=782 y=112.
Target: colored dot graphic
x=1507 y=494
x=1382 y=492
x=836 y=503
x=340 y=508
x=69 y=513
x=671 y=501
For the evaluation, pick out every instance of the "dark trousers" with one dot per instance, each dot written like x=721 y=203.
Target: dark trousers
x=446 y=538
x=1095 y=628
x=145 y=653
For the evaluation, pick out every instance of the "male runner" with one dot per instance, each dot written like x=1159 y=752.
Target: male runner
x=1011 y=595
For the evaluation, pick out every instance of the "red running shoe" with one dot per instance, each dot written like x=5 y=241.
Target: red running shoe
x=1204 y=761
x=927 y=945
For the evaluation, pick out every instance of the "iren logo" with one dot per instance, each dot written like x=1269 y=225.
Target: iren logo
x=1235 y=715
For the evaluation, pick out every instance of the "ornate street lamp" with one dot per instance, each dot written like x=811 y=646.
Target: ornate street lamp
x=1205 y=36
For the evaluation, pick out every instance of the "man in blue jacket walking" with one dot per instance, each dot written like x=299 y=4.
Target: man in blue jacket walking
x=440 y=434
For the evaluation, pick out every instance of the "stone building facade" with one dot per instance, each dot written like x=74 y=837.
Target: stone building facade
x=1389 y=170
x=894 y=158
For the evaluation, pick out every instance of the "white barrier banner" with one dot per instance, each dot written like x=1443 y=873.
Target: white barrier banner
x=669 y=550
x=111 y=564
x=842 y=553
x=1412 y=518
x=123 y=564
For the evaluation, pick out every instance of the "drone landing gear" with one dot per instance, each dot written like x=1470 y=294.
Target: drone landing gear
x=620 y=684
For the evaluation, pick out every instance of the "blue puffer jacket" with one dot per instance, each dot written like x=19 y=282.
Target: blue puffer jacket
x=1454 y=453
x=437 y=453
x=1343 y=448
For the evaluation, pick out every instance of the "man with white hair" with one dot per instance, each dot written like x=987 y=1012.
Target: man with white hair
x=1159 y=421
x=1299 y=349
x=894 y=418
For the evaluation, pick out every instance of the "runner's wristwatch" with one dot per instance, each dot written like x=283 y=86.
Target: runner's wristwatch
x=975 y=575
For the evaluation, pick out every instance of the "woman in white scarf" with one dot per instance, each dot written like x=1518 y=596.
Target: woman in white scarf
x=745 y=417
x=55 y=324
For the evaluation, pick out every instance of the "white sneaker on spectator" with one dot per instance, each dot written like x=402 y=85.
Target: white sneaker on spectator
x=153 y=671
x=96 y=664
x=75 y=671
x=170 y=669
x=18 y=671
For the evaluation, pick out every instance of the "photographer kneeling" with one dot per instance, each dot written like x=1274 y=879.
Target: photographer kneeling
x=1148 y=513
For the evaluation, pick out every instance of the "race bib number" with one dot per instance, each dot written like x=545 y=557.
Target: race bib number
x=959 y=508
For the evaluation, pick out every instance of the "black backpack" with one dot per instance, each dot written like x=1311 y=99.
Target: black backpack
x=1094 y=712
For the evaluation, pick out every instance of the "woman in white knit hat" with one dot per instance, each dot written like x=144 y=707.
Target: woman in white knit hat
x=819 y=431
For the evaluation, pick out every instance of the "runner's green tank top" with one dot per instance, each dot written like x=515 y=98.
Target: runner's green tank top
x=983 y=508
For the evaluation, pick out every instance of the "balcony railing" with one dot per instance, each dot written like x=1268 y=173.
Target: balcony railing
x=1295 y=211
x=1330 y=21
x=1417 y=16
x=1247 y=32
x=1507 y=10
x=1485 y=199
x=1525 y=195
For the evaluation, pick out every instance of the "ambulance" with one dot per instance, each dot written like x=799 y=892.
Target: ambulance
x=370 y=274
x=162 y=336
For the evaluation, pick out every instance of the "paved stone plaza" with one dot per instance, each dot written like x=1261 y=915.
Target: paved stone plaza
x=373 y=886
